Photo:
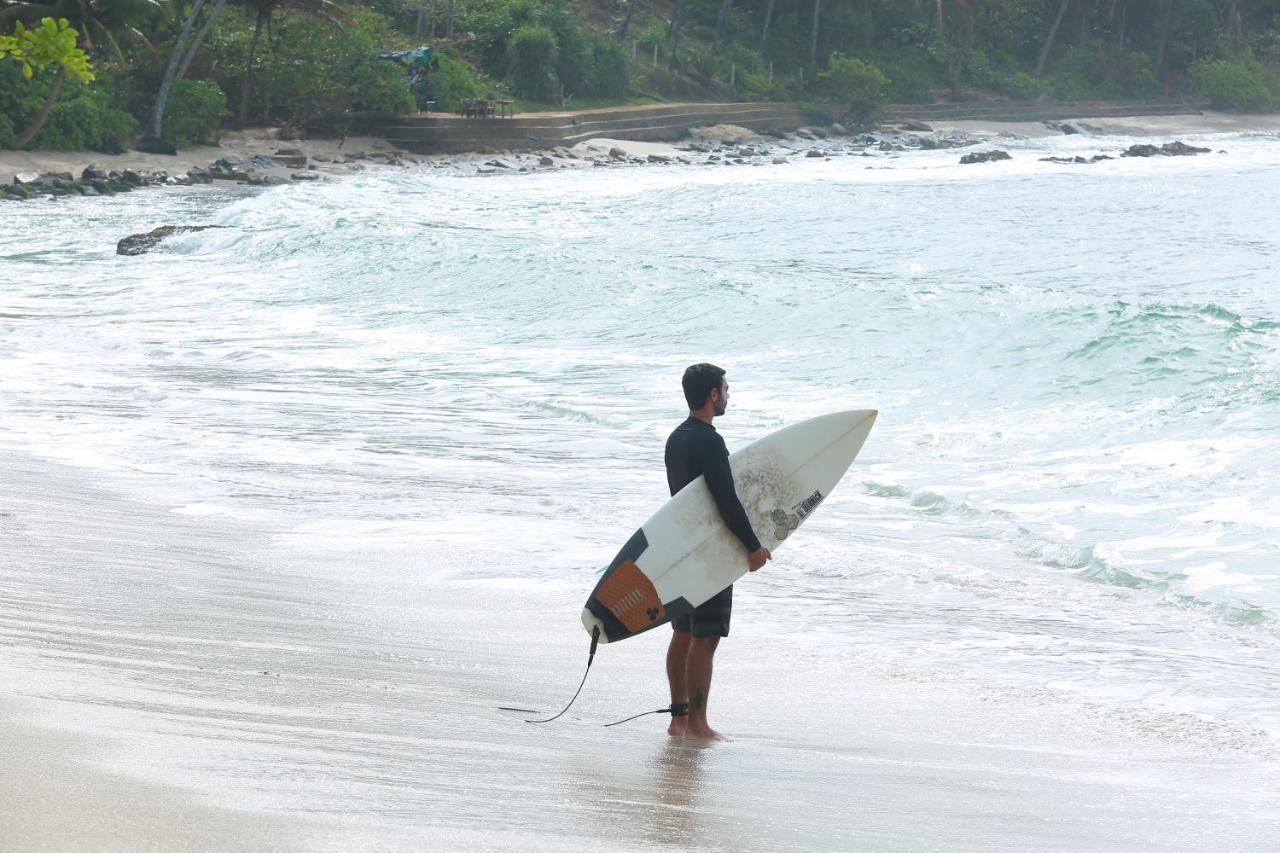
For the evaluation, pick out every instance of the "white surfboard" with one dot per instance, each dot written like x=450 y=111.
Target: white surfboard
x=685 y=554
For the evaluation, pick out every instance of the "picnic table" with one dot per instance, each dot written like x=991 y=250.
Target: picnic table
x=485 y=108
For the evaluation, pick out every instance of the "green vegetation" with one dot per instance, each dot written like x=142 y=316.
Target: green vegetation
x=185 y=69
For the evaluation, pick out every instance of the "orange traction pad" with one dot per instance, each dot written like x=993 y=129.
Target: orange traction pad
x=629 y=595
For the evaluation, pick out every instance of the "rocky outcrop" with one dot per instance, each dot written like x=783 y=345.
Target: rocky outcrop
x=1169 y=149
x=1096 y=158
x=984 y=157
x=140 y=244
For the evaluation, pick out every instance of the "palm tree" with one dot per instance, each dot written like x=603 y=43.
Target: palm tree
x=1053 y=32
x=110 y=21
x=263 y=9
x=179 y=61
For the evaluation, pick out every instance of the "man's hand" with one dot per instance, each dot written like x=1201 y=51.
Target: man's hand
x=758 y=558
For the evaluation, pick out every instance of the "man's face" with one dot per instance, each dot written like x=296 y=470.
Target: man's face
x=721 y=398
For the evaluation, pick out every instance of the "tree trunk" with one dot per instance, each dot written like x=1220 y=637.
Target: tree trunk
x=170 y=71
x=626 y=22
x=1053 y=33
x=214 y=11
x=448 y=27
x=768 y=18
x=722 y=21
x=676 y=20
x=420 y=24
x=43 y=116
x=813 y=41
x=1165 y=21
x=247 y=81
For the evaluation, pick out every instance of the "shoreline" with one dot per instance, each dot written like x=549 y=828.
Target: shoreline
x=342 y=157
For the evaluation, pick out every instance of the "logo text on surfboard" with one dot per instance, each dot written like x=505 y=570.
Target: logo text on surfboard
x=785 y=522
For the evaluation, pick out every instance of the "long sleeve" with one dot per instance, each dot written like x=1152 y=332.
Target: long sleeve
x=715 y=467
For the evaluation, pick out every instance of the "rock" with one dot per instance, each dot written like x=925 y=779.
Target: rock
x=745 y=151
x=1068 y=129
x=1169 y=149
x=931 y=143
x=1077 y=159
x=617 y=153
x=292 y=161
x=488 y=150
x=18 y=192
x=838 y=129
x=93 y=172
x=132 y=178
x=140 y=244
x=199 y=175
x=546 y=161
x=305 y=176
x=658 y=158
x=813 y=152
x=54 y=177
x=918 y=126
x=778 y=161
x=102 y=187
x=498 y=164
x=984 y=157
x=599 y=163
x=1181 y=149
x=26 y=179
x=290 y=152
x=86 y=189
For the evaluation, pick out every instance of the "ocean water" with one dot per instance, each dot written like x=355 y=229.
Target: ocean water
x=1068 y=501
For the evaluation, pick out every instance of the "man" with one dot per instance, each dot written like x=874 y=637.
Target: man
x=695 y=450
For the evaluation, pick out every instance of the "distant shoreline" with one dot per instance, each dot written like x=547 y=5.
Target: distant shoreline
x=329 y=157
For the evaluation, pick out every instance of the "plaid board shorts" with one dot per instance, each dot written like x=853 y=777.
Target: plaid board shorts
x=708 y=619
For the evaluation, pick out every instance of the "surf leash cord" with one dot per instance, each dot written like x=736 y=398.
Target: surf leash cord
x=680 y=709
x=591 y=655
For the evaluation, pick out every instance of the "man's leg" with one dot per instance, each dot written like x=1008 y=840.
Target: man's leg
x=677 y=665
x=698 y=681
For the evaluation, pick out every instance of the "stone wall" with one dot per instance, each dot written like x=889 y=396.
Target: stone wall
x=441 y=134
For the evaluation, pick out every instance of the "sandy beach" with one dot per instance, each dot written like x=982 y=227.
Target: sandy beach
x=210 y=689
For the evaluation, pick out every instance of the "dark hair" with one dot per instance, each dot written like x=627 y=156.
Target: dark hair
x=698 y=383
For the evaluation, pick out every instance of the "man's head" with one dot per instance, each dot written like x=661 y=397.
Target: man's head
x=705 y=383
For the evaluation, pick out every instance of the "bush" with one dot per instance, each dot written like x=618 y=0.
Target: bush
x=1234 y=84
x=611 y=71
x=452 y=81
x=532 y=58
x=195 y=111
x=911 y=80
x=83 y=116
x=858 y=85
x=1079 y=75
x=311 y=75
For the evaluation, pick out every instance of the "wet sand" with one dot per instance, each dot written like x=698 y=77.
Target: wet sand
x=177 y=681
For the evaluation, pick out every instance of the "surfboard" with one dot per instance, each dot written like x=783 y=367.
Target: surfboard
x=685 y=554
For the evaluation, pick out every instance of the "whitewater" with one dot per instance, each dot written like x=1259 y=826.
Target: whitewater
x=293 y=505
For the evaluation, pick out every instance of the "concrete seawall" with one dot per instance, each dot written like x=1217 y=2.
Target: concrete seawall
x=441 y=133
x=444 y=134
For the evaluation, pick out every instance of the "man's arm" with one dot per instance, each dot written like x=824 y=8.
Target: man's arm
x=715 y=468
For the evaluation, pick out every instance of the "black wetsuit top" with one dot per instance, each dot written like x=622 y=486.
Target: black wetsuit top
x=695 y=449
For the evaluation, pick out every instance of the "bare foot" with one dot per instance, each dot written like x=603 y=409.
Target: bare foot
x=703 y=731
x=679 y=727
